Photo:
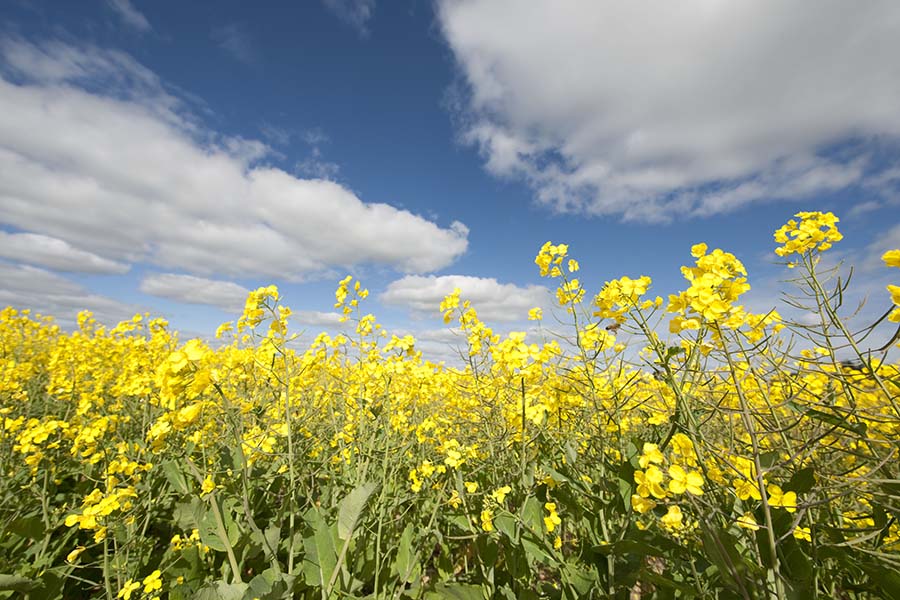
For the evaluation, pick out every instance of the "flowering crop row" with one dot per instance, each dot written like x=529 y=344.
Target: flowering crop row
x=740 y=455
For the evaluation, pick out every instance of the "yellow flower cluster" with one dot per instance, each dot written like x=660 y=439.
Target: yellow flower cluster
x=814 y=231
x=127 y=437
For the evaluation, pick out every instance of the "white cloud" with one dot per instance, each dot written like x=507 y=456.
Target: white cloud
x=140 y=181
x=355 y=13
x=130 y=15
x=317 y=318
x=226 y=295
x=47 y=293
x=492 y=300
x=652 y=110
x=235 y=40
x=56 y=254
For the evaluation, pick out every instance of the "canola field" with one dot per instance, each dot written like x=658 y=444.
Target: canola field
x=662 y=448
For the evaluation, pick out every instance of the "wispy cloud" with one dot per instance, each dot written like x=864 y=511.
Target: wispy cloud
x=130 y=15
x=234 y=39
x=355 y=13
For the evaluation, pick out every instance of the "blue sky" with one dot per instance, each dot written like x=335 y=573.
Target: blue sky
x=168 y=156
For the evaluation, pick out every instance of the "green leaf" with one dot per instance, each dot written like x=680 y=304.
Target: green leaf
x=176 y=478
x=320 y=555
x=507 y=525
x=455 y=591
x=16 y=583
x=802 y=481
x=406 y=558
x=351 y=509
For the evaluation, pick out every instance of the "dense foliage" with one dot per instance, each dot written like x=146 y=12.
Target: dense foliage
x=737 y=456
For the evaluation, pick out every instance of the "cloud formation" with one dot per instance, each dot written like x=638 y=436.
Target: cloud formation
x=27 y=287
x=130 y=15
x=55 y=254
x=650 y=111
x=494 y=301
x=123 y=171
x=226 y=295
x=355 y=13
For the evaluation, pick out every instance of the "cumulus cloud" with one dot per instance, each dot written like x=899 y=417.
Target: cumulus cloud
x=494 y=301
x=138 y=180
x=317 y=318
x=56 y=254
x=226 y=295
x=47 y=293
x=654 y=110
x=130 y=15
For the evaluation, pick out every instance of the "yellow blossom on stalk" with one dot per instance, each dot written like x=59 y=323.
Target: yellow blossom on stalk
x=573 y=265
x=499 y=495
x=207 y=486
x=673 y=519
x=802 y=533
x=128 y=588
x=557 y=543
x=550 y=257
x=815 y=231
x=552 y=520
x=651 y=455
x=535 y=314
x=642 y=505
x=455 y=499
x=152 y=582
x=891 y=258
x=894 y=290
x=487 y=519
x=681 y=481
x=778 y=498
x=72 y=556
x=747 y=521
x=569 y=292
x=649 y=482
x=471 y=486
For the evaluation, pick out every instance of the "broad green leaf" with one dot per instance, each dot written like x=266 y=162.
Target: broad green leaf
x=351 y=508
x=456 y=591
x=17 y=583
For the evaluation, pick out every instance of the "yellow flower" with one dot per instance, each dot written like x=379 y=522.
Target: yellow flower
x=641 y=505
x=891 y=258
x=649 y=483
x=673 y=519
x=207 y=486
x=787 y=501
x=744 y=488
x=152 y=582
x=681 y=481
x=557 y=543
x=651 y=454
x=487 y=519
x=535 y=314
x=454 y=500
x=747 y=521
x=552 y=520
x=802 y=533
x=129 y=587
x=74 y=554
x=500 y=493
x=471 y=486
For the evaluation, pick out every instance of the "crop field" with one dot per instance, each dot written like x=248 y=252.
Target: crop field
x=674 y=447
